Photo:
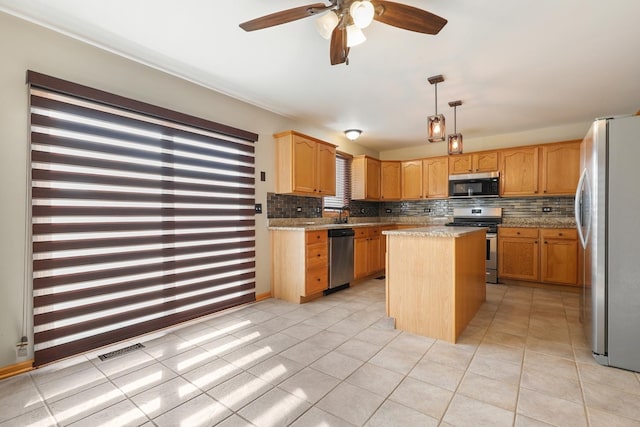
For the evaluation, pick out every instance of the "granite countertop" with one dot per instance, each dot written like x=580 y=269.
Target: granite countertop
x=539 y=222
x=435 y=231
x=313 y=227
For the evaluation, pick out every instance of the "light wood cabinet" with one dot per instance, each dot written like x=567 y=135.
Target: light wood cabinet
x=519 y=172
x=518 y=254
x=560 y=168
x=366 y=252
x=383 y=245
x=305 y=165
x=435 y=172
x=390 y=180
x=300 y=264
x=547 y=255
x=559 y=256
x=411 y=180
x=365 y=178
x=485 y=161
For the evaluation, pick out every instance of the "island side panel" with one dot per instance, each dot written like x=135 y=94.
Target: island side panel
x=470 y=287
x=288 y=264
x=420 y=284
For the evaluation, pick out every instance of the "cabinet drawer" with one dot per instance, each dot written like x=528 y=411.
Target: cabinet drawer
x=317 y=280
x=518 y=232
x=361 y=232
x=559 y=233
x=374 y=231
x=317 y=255
x=319 y=236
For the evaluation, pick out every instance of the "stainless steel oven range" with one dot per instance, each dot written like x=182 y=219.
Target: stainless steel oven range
x=483 y=217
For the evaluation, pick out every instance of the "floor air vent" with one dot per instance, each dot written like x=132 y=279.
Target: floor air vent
x=120 y=352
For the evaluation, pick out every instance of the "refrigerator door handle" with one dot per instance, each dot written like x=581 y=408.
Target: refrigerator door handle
x=577 y=208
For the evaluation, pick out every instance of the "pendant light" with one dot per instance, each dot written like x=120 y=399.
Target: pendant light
x=455 y=140
x=435 y=123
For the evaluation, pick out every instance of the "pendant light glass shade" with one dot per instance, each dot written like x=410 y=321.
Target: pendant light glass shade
x=436 y=128
x=455 y=143
x=435 y=124
x=355 y=36
x=455 y=140
x=326 y=23
x=362 y=13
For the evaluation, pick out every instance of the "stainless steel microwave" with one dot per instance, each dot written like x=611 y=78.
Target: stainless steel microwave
x=486 y=184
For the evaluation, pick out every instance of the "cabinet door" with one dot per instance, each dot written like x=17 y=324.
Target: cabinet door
x=560 y=262
x=411 y=179
x=372 y=186
x=460 y=163
x=373 y=255
x=519 y=172
x=360 y=257
x=326 y=170
x=317 y=280
x=560 y=168
x=390 y=180
x=383 y=246
x=485 y=162
x=436 y=177
x=518 y=258
x=304 y=165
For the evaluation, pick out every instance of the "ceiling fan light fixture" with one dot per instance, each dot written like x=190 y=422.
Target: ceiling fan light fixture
x=326 y=23
x=436 y=130
x=352 y=134
x=362 y=13
x=355 y=36
x=455 y=140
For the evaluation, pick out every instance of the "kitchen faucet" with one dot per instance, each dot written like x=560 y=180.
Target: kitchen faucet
x=346 y=218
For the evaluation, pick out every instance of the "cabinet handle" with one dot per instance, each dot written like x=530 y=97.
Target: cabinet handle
x=559 y=234
x=545 y=242
x=518 y=233
x=318 y=255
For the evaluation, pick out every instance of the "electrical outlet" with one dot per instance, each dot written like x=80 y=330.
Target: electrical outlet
x=387 y=210
x=546 y=209
x=362 y=210
x=263 y=176
x=258 y=208
x=299 y=209
x=318 y=210
x=427 y=210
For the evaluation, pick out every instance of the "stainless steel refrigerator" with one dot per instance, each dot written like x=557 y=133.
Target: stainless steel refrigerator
x=607 y=211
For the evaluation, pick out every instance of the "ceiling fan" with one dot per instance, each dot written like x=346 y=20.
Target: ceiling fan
x=344 y=19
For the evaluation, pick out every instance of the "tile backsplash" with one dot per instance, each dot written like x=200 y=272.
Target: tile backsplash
x=286 y=206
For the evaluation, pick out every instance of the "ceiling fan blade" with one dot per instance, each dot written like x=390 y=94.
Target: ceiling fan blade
x=284 y=16
x=339 y=50
x=408 y=17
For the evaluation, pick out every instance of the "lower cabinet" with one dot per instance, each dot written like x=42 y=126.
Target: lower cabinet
x=547 y=255
x=366 y=252
x=300 y=264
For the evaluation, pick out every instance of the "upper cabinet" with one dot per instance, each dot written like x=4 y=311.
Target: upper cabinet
x=519 y=172
x=365 y=178
x=412 y=180
x=305 y=165
x=390 y=180
x=435 y=178
x=486 y=161
x=560 y=168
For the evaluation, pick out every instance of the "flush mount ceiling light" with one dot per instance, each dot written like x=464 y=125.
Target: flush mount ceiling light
x=344 y=14
x=352 y=134
x=455 y=140
x=435 y=123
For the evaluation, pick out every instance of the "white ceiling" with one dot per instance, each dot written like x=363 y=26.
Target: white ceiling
x=516 y=65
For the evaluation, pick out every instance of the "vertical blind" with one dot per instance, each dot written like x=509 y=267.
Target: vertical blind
x=141 y=217
x=343 y=184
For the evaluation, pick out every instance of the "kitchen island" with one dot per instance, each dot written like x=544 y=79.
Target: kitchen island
x=435 y=279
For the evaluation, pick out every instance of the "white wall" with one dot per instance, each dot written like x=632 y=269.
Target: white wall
x=26 y=46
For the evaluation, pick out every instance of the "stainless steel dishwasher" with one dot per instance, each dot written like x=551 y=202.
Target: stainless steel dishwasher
x=340 y=258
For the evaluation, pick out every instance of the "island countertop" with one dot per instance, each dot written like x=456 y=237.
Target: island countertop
x=435 y=231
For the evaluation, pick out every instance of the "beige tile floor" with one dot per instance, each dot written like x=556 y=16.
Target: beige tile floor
x=336 y=362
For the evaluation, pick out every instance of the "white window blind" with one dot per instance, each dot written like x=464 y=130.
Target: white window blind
x=139 y=221
x=343 y=184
